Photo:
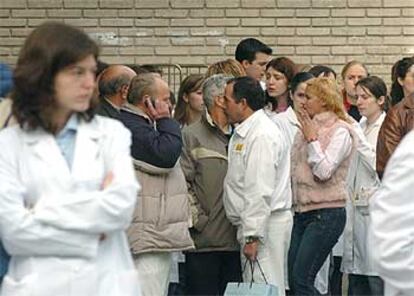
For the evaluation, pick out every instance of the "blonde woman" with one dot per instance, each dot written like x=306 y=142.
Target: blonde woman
x=227 y=67
x=321 y=155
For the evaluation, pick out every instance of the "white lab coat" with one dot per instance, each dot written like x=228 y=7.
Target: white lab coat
x=362 y=183
x=51 y=218
x=391 y=233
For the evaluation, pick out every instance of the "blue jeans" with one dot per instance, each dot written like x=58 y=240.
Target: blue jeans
x=314 y=235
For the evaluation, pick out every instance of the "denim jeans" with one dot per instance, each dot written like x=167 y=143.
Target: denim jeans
x=314 y=235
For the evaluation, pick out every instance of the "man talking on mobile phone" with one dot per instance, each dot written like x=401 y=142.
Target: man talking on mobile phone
x=160 y=223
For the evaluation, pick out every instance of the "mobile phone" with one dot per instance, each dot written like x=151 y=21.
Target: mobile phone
x=152 y=100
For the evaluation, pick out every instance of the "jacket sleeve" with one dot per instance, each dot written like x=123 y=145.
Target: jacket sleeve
x=21 y=232
x=388 y=138
x=99 y=211
x=365 y=150
x=188 y=165
x=259 y=184
x=391 y=229
x=160 y=147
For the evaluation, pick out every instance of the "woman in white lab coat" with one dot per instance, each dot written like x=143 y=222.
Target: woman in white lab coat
x=363 y=181
x=67 y=189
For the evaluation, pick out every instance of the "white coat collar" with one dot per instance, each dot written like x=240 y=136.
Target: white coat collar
x=291 y=116
x=243 y=128
x=88 y=140
x=364 y=124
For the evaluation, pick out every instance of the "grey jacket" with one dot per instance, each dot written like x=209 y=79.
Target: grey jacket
x=204 y=162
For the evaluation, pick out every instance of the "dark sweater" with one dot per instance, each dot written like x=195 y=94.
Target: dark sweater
x=159 y=146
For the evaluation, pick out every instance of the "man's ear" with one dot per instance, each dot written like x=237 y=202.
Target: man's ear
x=381 y=101
x=244 y=104
x=245 y=64
x=219 y=101
x=124 y=91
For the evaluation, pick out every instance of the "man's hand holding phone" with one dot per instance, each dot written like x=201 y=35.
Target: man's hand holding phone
x=157 y=109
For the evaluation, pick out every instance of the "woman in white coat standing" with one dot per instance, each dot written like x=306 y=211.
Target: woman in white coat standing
x=68 y=189
x=371 y=93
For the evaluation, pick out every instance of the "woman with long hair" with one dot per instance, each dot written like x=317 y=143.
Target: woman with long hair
x=402 y=76
x=279 y=73
x=68 y=188
x=190 y=103
x=400 y=118
x=320 y=161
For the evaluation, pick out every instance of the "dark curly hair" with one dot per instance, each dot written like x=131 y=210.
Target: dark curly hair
x=399 y=70
x=47 y=50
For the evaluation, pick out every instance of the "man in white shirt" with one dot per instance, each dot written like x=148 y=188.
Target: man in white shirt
x=257 y=188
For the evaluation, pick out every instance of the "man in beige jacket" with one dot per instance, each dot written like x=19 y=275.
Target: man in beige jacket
x=160 y=223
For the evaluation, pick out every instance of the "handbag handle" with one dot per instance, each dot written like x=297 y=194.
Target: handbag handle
x=252 y=263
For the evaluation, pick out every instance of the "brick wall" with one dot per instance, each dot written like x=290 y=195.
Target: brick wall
x=331 y=32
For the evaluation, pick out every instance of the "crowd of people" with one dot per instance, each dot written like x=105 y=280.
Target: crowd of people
x=259 y=170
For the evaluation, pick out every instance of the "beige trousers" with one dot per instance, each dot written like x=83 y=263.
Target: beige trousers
x=153 y=272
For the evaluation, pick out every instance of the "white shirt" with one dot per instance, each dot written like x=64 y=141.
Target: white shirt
x=371 y=131
x=392 y=222
x=325 y=163
x=258 y=176
x=287 y=122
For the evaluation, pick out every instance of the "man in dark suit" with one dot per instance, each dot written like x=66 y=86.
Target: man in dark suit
x=113 y=89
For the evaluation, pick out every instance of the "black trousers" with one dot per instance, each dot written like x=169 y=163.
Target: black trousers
x=365 y=285
x=207 y=273
x=335 y=276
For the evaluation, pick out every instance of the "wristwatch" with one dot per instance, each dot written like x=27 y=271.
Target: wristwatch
x=251 y=239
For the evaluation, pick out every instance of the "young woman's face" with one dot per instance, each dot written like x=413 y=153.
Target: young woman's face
x=276 y=83
x=367 y=104
x=195 y=100
x=74 y=86
x=407 y=82
x=298 y=96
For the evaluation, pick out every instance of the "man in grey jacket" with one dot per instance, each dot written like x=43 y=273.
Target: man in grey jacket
x=216 y=259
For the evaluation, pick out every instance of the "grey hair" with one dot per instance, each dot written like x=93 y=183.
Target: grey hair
x=212 y=87
x=141 y=85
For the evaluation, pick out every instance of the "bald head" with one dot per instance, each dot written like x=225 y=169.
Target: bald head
x=114 y=83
